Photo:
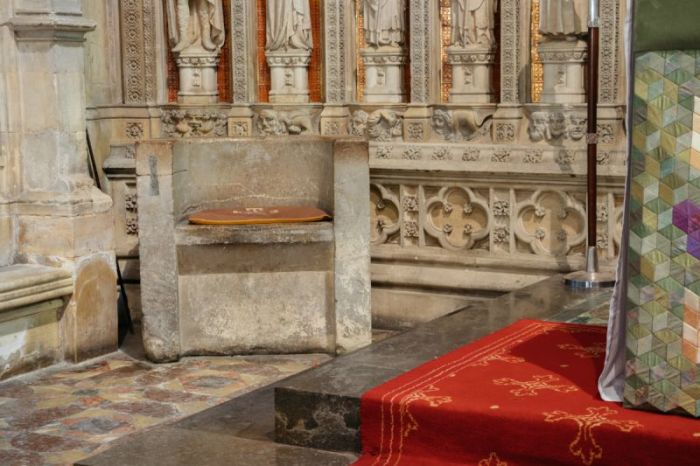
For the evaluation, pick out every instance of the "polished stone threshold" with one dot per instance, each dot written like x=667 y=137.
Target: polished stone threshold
x=314 y=416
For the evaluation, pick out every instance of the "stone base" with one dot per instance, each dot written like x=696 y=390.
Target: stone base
x=289 y=76
x=198 y=83
x=384 y=77
x=32 y=300
x=471 y=74
x=563 y=63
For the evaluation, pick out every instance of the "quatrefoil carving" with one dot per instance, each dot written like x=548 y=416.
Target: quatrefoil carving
x=551 y=223
x=457 y=218
x=384 y=214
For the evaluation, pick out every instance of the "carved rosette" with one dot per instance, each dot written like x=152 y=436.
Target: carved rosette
x=384 y=214
x=457 y=218
x=552 y=223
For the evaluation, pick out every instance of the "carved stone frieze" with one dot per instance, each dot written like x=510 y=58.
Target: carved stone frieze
x=270 y=122
x=461 y=125
x=240 y=64
x=138 y=40
x=134 y=130
x=383 y=125
x=557 y=125
x=181 y=123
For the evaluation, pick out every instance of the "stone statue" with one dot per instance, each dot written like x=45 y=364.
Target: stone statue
x=385 y=22
x=288 y=25
x=563 y=19
x=473 y=22
x=193 y=23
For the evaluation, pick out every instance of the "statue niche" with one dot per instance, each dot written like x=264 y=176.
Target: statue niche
x=385 y=54
x=196 y=32
x=288 y=48
x=472 y=51
x=563 y=50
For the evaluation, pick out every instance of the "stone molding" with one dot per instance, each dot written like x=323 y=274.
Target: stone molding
x=25 y=285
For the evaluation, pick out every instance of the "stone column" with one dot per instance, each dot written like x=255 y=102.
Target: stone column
x=384 y=81
x=508 y=117
x=338 y=47
x=563 y=63
x=289 y=76
x=240 y=122
x=471 y=74
x=61 y=218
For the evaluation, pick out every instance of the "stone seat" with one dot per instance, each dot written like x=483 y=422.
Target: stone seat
x=31 y=304
x=315 y=232
x=242 y=289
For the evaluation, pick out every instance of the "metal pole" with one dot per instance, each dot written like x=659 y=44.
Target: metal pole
x=592 y=277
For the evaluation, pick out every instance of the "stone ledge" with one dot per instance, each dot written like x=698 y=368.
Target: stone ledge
x=23 y=285
x=285 y=233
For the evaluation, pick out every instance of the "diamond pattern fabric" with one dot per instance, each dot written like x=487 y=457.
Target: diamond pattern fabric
x=663 y=294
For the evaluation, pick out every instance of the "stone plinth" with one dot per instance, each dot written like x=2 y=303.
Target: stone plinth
x=472 y=69
x=289 y=76
x=563 y=63
x=384 y=75
x=198 y=83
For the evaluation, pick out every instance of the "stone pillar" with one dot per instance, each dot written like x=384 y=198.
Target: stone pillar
x=198 y=83
x=384 y=82
x=472 y=69
x=563 y=63
x=508 y=118
x=289 y=76
x=61 y=218
x=337 y=50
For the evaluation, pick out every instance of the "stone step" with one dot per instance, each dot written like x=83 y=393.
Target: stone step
x=235 y=433
x=321 y=408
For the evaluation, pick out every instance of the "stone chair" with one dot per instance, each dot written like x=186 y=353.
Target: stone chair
x=281 y=288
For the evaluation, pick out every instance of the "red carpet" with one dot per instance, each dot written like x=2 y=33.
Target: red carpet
x=523 y=396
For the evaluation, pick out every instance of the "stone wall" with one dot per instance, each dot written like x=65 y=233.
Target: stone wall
x=474 y=192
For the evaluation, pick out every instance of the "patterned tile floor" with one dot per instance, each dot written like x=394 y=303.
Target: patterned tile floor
x=63 y=414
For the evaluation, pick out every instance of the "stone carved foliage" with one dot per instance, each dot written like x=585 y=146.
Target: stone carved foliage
x=194 y=123
x=279 y=123
x=384 y=214
x=551 y=223
x=457 y=218
x=131 y=210
x=460 y=125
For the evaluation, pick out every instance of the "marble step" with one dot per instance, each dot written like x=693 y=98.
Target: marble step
x=320 y=408
x=235 y=433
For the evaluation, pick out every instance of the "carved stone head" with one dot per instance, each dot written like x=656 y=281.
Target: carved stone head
x=358 y=123
x=577 y=126
x=538 y=126
x=557 y=124
x=269 y=123
x=383 y=125
x=443 y=123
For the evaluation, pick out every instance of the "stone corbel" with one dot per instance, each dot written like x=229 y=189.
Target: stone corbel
x=50 y=28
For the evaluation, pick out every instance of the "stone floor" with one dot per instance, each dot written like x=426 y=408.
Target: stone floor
x=242 y=431
x=64 y=414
